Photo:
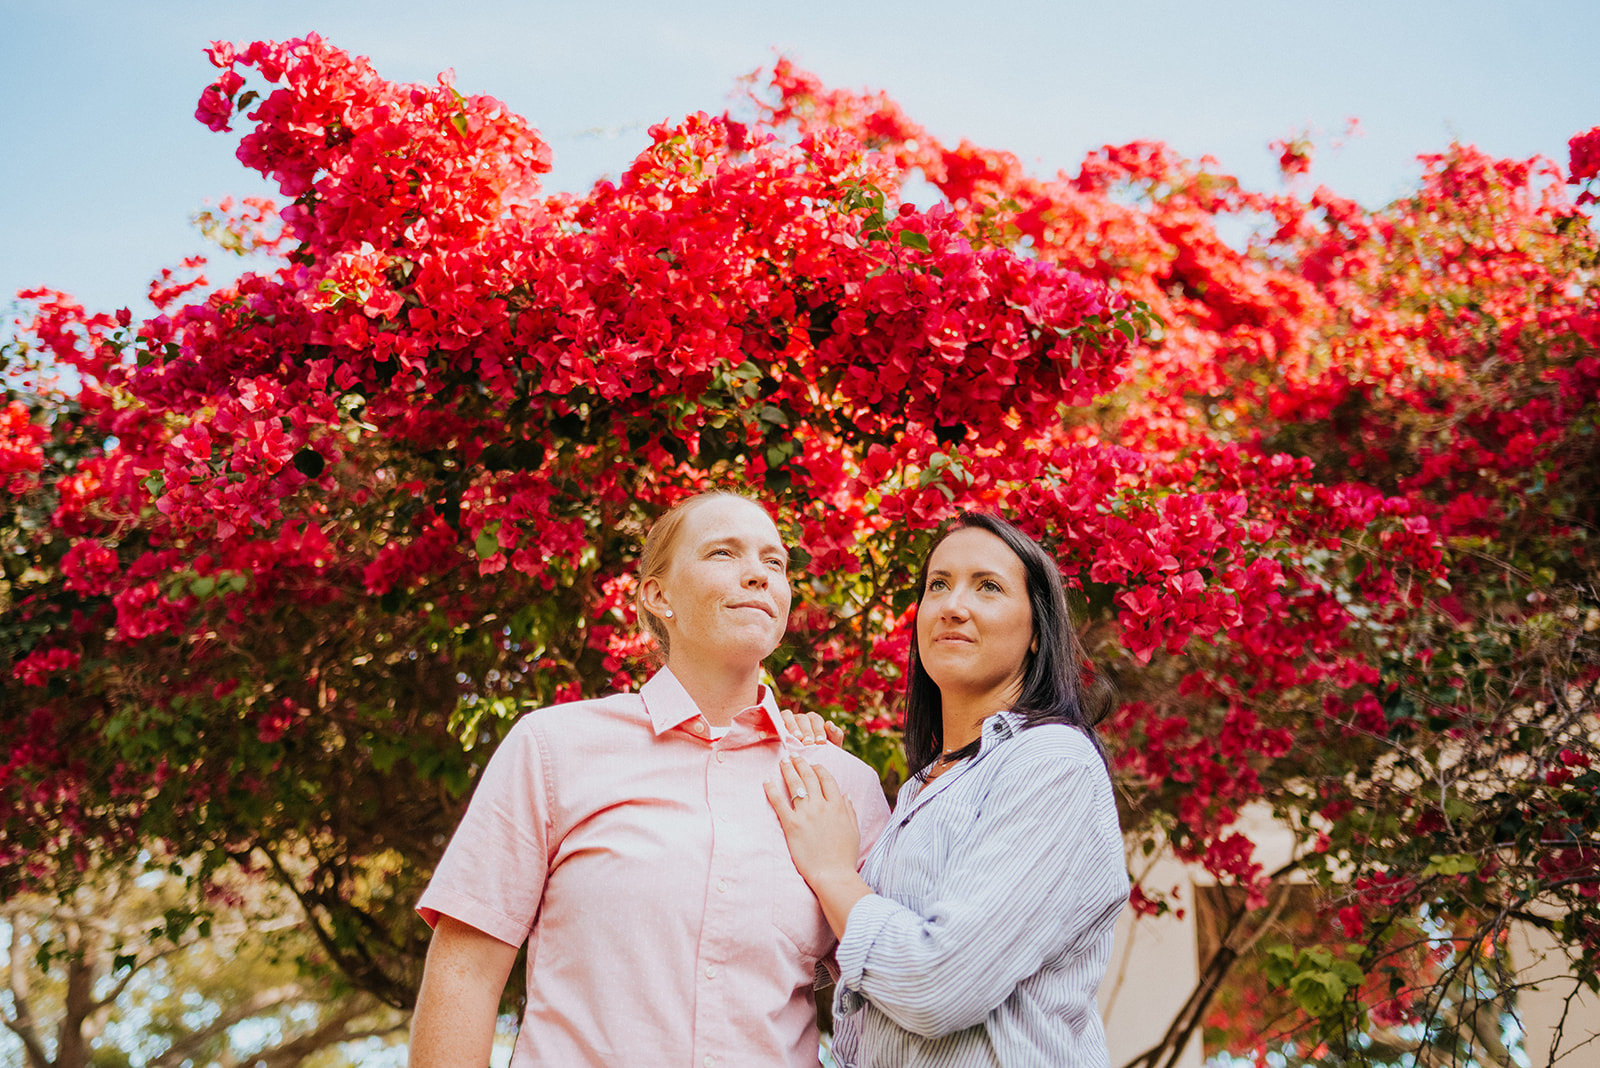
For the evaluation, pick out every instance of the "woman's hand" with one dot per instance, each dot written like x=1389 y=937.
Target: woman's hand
x=819 y=823
x=811 y=728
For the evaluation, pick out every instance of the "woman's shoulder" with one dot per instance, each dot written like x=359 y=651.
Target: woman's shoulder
x=851 y=771
x=1058 y=766
x=1053 y=743
x=571 y=720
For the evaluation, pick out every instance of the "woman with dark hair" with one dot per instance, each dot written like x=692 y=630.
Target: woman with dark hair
x=978 y=930
x=623 y=839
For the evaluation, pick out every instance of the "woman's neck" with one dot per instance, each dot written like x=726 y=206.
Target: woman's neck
x=959 y=732
x=720 y=692
x=962 y=715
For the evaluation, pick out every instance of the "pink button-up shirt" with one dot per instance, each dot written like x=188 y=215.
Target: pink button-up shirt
x=666 y=924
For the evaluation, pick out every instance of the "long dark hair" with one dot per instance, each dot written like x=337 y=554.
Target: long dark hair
x=1052 y=675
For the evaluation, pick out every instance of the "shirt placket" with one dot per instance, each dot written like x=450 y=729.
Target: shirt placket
x=729 y=871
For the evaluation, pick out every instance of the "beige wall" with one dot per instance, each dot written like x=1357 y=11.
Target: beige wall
x=1155 y=964
x=1153 y=969
x=1539 y=960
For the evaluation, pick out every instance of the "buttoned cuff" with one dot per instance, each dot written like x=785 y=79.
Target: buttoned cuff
x=867 y=918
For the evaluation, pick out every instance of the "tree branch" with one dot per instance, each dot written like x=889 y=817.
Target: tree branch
x=1183 y=1025
x=182 y=1048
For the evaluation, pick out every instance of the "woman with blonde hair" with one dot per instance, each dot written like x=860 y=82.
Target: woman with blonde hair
x=625 y=840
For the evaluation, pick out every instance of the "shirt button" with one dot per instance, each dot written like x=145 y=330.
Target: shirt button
x=720 y=758
x=711 y=971
x=711 y=1062
x=722 y=886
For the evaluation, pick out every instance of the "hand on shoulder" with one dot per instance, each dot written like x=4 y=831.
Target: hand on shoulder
x=811 y=728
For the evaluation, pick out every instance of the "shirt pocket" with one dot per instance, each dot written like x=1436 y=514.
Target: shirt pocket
x=796 y=912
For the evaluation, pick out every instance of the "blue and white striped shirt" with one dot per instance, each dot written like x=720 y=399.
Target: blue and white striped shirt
x=997 y=887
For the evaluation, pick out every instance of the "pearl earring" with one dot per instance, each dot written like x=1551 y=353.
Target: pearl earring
x=669 y=613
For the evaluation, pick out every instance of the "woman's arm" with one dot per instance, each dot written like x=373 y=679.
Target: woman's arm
x=824 y=836
x=462 y=981
x=1037 y=880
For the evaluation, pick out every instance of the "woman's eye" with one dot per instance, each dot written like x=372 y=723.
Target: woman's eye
x=991 y=586
x=936 y=584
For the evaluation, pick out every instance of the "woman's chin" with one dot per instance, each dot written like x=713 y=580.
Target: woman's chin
x=736 y=651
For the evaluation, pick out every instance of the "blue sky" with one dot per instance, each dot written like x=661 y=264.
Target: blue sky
x=102 y=162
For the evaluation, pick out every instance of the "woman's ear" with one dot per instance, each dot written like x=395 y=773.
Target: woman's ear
x=654 y=599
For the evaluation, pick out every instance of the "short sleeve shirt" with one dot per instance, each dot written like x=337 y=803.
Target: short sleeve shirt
x=640 y=861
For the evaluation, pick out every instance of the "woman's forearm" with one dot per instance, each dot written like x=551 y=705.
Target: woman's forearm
x=466 y=972
x=837 y=892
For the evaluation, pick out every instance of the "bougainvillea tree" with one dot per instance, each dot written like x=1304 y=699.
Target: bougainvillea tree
x=283 y=562
x=1432 y=362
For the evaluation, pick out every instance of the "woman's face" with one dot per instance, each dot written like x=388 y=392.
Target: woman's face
x=727 y=586
x=974 y=622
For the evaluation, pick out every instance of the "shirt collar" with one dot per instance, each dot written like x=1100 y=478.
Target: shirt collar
x=999 y=728
x=669 y=705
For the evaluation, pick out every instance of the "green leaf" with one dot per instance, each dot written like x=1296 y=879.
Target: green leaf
x=384 y=756
x=912 y=239
x=1280 y=965
x=488 y=542
x=203 y=586
x=1349 y=974
x=1453 y=864
x=456 y=781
